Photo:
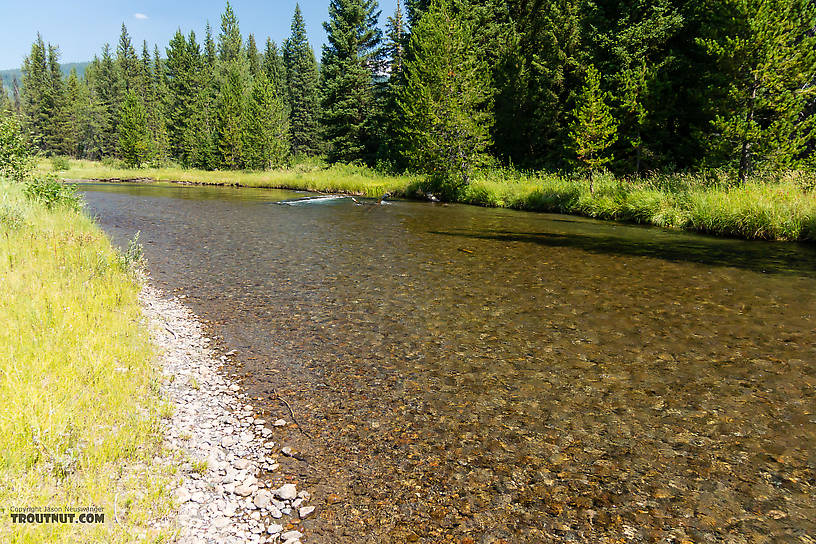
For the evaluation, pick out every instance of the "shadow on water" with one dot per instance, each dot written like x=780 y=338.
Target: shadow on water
x=764 y=257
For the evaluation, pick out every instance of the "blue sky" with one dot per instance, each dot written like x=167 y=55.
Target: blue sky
x=81 y=28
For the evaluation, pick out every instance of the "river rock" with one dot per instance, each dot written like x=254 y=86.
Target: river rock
x=275 y=512
x=306 y=511
x=243 y=490
x=262 y=499
x=289 y=535
x=182 y=495
x=274 y=529
x=286 y=492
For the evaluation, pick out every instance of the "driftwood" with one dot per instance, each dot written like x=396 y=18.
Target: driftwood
x=292 y=413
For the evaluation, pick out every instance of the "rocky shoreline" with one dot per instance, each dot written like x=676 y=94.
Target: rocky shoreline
x=228 y=490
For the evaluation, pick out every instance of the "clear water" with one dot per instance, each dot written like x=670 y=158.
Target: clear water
x=480 y=375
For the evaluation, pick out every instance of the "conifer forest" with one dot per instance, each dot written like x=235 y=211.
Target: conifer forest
x=449 y=86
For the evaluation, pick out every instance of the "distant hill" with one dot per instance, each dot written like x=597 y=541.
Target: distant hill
x=8 y=75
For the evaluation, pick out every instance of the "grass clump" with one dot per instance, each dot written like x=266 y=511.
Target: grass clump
x=79 y=402
x=60 y=164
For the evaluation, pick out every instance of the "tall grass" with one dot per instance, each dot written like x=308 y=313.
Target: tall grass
x=78 y=394
x=311 y=175
x=769 y=206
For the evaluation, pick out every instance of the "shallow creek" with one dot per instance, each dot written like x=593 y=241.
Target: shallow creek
x=481 y=375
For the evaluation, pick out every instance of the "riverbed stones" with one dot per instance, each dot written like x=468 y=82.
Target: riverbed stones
x=305 y=511
x=286 y=492
x=218 y=435
x=262 y=499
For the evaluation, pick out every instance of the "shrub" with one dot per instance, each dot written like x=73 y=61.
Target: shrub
x=60 y=164
x=52 y=193
x=132 y=258
x=15 y=155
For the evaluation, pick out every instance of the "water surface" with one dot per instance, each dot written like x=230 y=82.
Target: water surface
x=482 y=375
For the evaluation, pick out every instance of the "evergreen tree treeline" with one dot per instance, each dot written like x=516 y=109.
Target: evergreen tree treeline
x=629 y=85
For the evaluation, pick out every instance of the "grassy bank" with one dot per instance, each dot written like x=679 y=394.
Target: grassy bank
x=79 y=402
x=774 y=206
x=310 y=176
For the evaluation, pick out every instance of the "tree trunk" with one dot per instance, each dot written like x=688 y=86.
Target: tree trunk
x=744 y=163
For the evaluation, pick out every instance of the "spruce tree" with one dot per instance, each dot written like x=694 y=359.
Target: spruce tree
x=351 y=59
x=232 y=75
x=5 y=103
x=230 y=118
x=94 y=121
x=75 y=111
x=273 y=69
x=265 y=131
x=771 y=60
x=230 y=43
x=253 y=58
x=180 y=66
x=301 y=84
x=593 y=129
x=210 y=54
x=57 y=130
x=15 y=96
x=395 y=35
x=107 y=90
x=134 y=135
x=537 y=80
x=446 y=101
x=37 y=103
x=130 y=69
x=633 y=44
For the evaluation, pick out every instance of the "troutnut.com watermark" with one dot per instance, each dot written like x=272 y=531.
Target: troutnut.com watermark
x=57 y=514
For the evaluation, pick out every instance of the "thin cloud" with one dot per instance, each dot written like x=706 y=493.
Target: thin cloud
x=140 y=16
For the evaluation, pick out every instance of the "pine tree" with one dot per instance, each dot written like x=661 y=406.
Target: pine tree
x=181 y=69
x=37 y=99
x=5 y=103
x=351 y=58
x=771 y=58
x=633 y=44
x=74 y=107
x=134 y=135
x=301 y=84
x=94 y=119
x=57 y=129
x=230 y=118
x=230 y=43
x=273 y=69
x=210 y=54
x=265 y=127
x=108 y=93
x=128 y=64
x=253 y=58
x=594 y=129
x=15 y=95
x=537 y=79
x=415 y=9
x=446 y=100
x=395 y=35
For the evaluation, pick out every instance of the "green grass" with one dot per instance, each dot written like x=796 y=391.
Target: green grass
x=310 y=176
x=769 y=206
x=79 y=398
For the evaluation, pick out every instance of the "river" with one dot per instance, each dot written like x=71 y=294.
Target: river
x=471 y=375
